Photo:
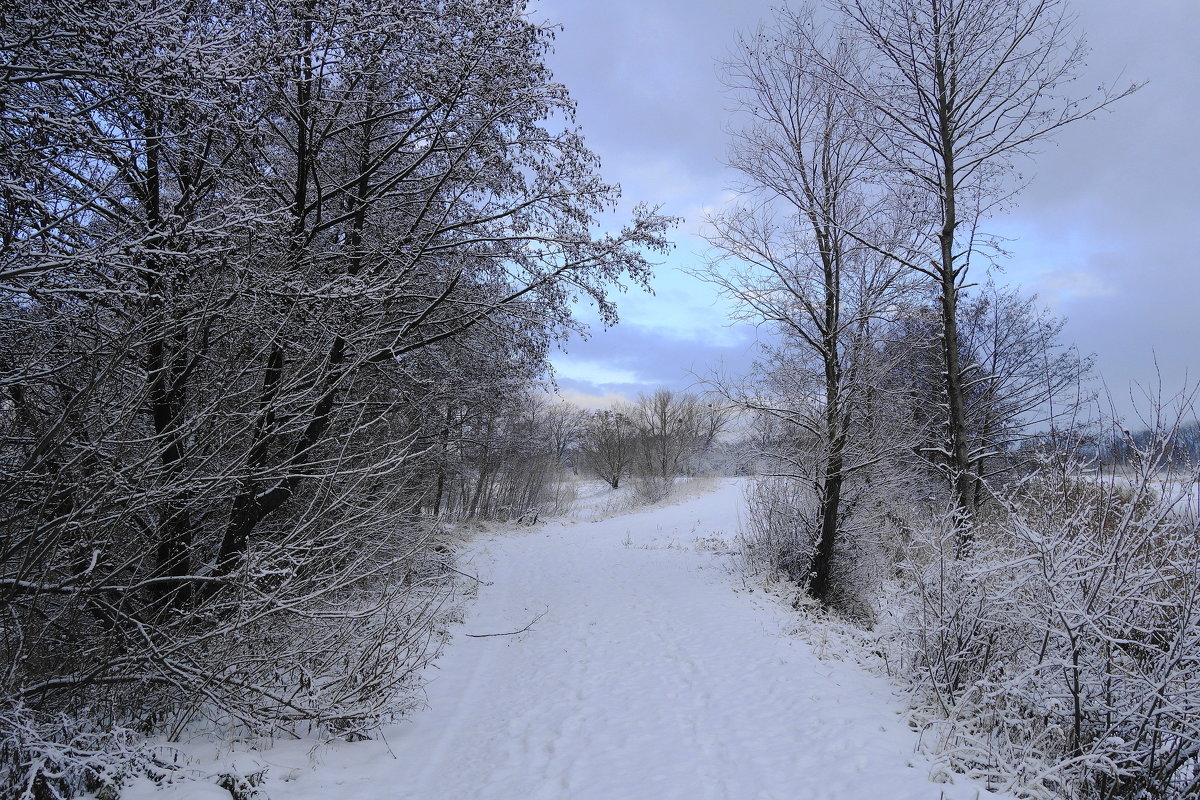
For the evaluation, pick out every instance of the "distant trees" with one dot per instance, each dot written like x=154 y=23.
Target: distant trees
x=1123 y=447
x=503 y=457
x=606 y=444
x=655 y=439
x=258 y=263
x=668 y=428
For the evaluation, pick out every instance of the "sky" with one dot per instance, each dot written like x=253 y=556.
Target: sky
x=1104 y=233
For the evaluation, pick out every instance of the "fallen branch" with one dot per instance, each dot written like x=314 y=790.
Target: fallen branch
x=469 y=575
x=532 y=622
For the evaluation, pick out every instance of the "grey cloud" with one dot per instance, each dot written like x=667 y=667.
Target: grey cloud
x=658 y=360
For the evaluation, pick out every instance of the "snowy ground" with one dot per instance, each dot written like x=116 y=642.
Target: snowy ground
x=651 y=672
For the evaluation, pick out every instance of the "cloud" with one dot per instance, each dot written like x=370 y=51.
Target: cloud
x=590 y=401
x=1057 y=287
x=632 y=358
x=592 y=371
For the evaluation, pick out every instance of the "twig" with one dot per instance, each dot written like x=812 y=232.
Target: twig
x=469 y=575
x=532 y=622
x=388 y=745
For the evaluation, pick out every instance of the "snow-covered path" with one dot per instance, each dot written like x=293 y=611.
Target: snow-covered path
x=652 y=673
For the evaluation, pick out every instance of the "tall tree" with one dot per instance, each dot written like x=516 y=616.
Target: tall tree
x=790 y=264
x=960 y=89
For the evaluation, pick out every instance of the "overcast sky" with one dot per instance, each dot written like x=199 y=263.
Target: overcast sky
x=1105 y=233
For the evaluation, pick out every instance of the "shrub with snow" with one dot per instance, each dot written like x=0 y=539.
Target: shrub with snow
x=1062 y=653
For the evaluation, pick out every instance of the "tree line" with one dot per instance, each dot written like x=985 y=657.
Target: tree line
x=269 y=271
x=515 y=459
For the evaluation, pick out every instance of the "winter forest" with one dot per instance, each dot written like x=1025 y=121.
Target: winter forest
x=280 y=285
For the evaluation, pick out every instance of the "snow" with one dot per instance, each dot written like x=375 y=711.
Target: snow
x=653 y=671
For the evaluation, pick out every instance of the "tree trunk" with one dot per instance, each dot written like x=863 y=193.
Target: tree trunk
x=820 y=577
x=962 y=482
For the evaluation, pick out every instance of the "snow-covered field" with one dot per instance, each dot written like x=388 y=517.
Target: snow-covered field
x=650 y=671
x=1180 y=490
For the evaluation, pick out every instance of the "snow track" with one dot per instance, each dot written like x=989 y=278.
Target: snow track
x=653 y=673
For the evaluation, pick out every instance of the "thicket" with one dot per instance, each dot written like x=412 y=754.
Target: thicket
x=275 y=281
x=1062 y=652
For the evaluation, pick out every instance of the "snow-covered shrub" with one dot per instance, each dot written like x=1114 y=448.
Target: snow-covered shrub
x=309 y=635
x=1062 y=653
x=561 y=494
x=50 y=757
x=649 y=488
x=778 y=530
x=243 y=787
x=342 y=657
x=779 y=535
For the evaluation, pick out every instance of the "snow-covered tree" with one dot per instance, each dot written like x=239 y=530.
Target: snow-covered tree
x=250 y=250
x=789 y=264
x=607 y=443
x=959 y=90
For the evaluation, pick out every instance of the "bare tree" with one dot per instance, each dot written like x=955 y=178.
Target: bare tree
x=672 y=430
x=1025 y=383
x=509 y=454
x=1025 y=392
x=959 y=89
x=789 y=263
x=607 y=444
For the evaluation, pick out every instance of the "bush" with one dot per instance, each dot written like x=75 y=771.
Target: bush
x=778 y=534
x=1063 y=652
x=44 y=757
